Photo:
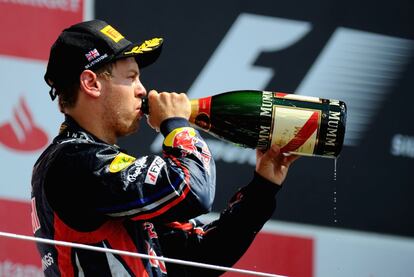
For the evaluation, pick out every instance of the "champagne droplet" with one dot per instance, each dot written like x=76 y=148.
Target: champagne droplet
x=335 y=219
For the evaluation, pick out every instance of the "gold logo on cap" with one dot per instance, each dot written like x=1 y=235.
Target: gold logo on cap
x=113 y=34
x=146 y=46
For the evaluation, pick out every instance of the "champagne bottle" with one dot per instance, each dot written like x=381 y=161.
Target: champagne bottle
x=300 y=125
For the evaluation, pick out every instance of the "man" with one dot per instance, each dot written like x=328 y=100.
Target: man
x=85 y=189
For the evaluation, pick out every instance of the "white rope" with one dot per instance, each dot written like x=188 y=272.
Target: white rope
x=136 y=255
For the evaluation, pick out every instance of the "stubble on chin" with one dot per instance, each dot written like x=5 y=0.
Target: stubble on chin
x=128 y=128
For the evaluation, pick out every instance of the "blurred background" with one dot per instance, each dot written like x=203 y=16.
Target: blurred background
x=359 y=222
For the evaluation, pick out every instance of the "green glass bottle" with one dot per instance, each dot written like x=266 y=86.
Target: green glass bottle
x=257 y=119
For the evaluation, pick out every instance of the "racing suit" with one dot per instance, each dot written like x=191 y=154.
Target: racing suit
x=87 y=191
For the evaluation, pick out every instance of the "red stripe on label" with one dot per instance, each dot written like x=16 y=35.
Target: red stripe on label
x=303 y=135
x=280 y=94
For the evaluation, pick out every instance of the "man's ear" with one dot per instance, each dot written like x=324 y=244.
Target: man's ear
x=89 y=83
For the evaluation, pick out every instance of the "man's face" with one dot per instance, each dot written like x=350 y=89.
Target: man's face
x=121 y=97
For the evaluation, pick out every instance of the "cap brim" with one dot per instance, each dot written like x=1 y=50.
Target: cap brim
x=145 y=53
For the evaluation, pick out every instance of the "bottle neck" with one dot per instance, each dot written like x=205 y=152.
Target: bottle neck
x=144 y=105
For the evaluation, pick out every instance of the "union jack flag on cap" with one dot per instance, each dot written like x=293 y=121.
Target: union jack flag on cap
x=92 y=54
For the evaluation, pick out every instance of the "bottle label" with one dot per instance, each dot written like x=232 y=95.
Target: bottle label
x=295 y=129
x=202 y=113
x=334 y=132
x=204 y=105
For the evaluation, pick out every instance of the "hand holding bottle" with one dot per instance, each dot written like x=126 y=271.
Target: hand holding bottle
x=166 y=105
x=273 y=164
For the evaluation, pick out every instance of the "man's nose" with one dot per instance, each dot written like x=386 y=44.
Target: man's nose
x=140 y=90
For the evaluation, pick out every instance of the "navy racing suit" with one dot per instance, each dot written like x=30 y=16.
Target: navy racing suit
x=87 y=191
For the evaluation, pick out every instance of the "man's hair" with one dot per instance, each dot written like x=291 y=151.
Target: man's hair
x=68 y=94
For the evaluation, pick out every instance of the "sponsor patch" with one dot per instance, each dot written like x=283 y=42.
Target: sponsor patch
x=91 y=55
x=185 y=138
x=135 y=170
x=97 y=60
x=205 y=156
x=47 y=261
x=154 y=170
x=120 y=162
x=182 y=138
x=113 y=34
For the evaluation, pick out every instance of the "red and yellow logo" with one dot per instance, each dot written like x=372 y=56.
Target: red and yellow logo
x=183 y=138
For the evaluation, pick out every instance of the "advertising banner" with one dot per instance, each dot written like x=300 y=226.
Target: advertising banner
x=28 y=121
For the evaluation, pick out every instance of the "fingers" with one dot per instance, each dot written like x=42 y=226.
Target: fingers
x=273 y=165
x=285 y=159
x=271 y=154
x=166 y=105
